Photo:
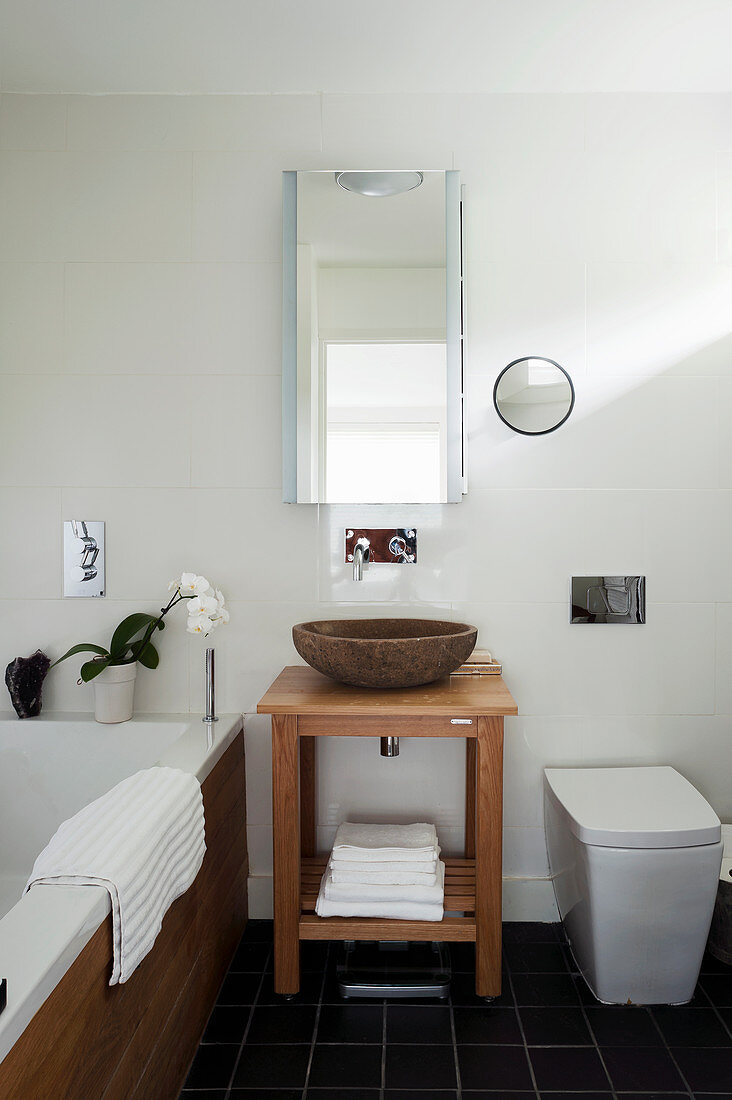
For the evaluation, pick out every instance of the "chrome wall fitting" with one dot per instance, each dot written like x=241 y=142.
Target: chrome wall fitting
x=83 y=557
x=380 y=546
x=210 y=715
x=616 y=599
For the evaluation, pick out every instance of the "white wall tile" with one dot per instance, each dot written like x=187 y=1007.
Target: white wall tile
x=95 y=206
x=524 y=852
x=616 y=438
x=247 y=541
x=631 y=123
x=724 y=659
x=32 y=551
x=31 y=318
x=518 y=309
x=129 y=431
x=651 y=205
x=259 y=846
x=520 y=210
x=237 y=207
x=237 y=318
x=554 y=667
x=236 y=438
x=217 y=123
x=132 y=318
x=724 y=205
x=33 y=121
x=660 y=318
x=258 y=749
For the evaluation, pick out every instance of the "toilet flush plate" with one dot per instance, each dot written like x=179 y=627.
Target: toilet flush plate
x=608 y=599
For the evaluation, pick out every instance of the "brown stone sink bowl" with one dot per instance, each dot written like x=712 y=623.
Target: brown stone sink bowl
x=384 y=653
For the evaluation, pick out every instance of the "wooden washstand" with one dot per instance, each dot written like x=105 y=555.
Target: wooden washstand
x=306 y=705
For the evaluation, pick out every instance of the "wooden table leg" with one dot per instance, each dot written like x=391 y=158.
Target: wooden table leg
x=488 y=856
x=471 y=745
x=286 y=845
x=307 y=796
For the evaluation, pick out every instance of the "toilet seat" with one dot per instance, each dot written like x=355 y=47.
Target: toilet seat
x=636 y=807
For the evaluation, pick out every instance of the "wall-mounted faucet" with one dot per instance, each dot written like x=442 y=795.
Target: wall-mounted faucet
x=392 y=546
x=361 y=554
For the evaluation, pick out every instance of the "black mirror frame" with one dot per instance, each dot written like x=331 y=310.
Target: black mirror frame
x=544 y=359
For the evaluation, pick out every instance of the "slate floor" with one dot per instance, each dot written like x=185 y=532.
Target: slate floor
x=545 y=1037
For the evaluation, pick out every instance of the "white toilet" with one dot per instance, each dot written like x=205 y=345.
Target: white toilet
x=634 y=855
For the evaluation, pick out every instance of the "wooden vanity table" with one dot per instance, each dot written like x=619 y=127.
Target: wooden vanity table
x=306 y=705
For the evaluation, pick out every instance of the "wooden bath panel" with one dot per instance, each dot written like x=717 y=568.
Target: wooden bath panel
x=93 y=1041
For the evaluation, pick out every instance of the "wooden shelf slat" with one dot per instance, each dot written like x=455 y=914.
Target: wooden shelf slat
x=450 y=929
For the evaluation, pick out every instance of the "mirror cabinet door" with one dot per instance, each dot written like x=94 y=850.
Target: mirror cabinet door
x=372 y=367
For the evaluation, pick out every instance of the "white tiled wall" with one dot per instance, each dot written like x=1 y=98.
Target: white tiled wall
x=140 y=358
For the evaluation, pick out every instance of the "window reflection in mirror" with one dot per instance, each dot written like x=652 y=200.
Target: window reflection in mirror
x=533 y=395
x=373 y=412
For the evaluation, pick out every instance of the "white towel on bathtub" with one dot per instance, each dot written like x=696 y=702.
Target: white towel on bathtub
x=144 y=842
x=385 y=843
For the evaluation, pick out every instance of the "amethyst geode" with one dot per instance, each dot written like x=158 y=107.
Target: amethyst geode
x=24 y=678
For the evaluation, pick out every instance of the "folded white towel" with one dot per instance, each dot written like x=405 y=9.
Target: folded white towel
x=404 y=909
x=384 y=878
x=361 y=891
x=144 y=842
x=385 y=843
x=375 y=867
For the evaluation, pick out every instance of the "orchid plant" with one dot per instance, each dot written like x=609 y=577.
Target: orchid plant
x=132 y=640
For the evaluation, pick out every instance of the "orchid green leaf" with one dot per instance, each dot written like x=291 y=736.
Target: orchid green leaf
x=82 y=647
x=149 y=656
x=93 y=668
x=127 y=630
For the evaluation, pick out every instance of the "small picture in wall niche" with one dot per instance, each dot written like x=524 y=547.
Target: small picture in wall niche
x=616 y=599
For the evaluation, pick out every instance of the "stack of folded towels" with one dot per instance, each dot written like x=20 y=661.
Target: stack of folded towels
x=390 y=871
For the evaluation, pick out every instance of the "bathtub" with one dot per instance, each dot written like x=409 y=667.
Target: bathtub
x=49 y=768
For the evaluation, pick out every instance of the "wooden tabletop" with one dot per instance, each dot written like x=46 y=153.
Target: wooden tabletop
x=301 y=690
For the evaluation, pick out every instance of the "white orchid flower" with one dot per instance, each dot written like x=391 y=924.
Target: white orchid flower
x=192 y=584
x=203 y=605
x=199 y=624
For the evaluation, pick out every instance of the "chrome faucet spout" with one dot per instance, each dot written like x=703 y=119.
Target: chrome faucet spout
x=361 y=554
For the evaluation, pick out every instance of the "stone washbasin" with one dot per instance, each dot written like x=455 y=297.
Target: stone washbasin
x=384 y=653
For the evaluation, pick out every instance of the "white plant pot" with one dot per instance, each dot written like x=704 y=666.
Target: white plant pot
x=114 y=693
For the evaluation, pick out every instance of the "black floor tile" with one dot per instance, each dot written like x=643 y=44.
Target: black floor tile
x=251 y=957
x=494 y=1068
x=484 y=1094
x=555 y=1027
x=343 y=1094
x=258 y=931
x=462 y=958
x=462 y=992
x=420 y=1067
x=623 y=1026
x=314 y=956
x=532 y=932
x=351 y=1024
x=274 y=1067
x=726 y=1014
x=288 y=1023
x=212 y=1067
x=535 y=958
x=544 y=989
x=239 y=989
x=340 y=1067
x=718 y=988
x=262 y=1094
x=310 y=986
x=487 y=1024
x=653 y=1095
x=705 y=1068
x=416 y=1094
x=638 y=1068
x=418 y=1024
x=554 y=1095
x=713 y=1096
x=568 y=1068
x=203 y=1094
x=692 y=1027
x=711 y=965
x=227 y=1024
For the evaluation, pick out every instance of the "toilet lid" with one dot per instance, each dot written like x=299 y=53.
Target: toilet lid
x=634 y=807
